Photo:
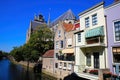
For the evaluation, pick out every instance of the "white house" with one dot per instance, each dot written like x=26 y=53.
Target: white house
x=90 y=43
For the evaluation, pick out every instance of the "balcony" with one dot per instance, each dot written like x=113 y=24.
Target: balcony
x=92 y=74
x=68 y=57
x=66 y=65
x=96 y=41
x=95 y=37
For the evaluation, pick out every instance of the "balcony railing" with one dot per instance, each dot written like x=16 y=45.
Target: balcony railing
x=66 y=58
x=91 y=73
x=95 y=40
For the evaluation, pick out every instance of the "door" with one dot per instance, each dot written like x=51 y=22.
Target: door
x=96 y=59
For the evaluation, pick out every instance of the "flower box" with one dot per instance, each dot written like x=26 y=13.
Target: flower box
x=95 y=72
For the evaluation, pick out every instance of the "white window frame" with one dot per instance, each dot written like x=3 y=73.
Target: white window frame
x=64 y=67
x=113 y=54
x=87 y=22
x=60 y=65
x=57 y=45
x=79 y=37
x=88 y=54
x=114 y=31
x=94 y=19
x=69 y=66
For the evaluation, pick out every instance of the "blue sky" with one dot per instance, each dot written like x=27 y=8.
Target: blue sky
x=15 y=16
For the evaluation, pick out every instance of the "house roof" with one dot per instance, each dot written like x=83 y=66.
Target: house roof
x=35 y=24
x=49 y=54
x=76 y=25
x=67 y=15
x=99 y=4
x=115 y=3
x=68 y=26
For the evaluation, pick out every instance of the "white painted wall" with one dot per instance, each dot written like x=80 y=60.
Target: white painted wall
x=82 y=39
x=77 y=56
x=100 y=18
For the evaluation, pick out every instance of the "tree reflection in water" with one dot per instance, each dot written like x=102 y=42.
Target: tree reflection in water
x=10 y=71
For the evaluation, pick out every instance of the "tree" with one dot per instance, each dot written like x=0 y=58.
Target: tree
x=17 y=53
x=42 y=39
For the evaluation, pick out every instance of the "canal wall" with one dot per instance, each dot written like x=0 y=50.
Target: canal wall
x=31 y=65
x=50 y=74
x=24 y=63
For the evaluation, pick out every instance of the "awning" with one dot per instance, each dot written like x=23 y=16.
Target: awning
x=69 y=51
x=94 y=32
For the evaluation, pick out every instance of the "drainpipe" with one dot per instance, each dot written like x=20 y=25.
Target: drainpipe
x=106 y=37
x=74 y=52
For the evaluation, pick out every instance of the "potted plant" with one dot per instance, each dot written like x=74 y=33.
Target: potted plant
x=95 y=72
x=107 y=74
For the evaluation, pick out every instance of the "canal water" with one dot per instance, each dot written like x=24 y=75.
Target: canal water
x=10 y=71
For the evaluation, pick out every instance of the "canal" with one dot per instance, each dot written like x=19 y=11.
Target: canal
x=10 y=71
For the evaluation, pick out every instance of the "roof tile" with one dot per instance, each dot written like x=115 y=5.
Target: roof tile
x=68 y=26
x=49 y=54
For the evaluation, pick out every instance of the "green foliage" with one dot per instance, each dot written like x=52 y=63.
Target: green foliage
x=34 y=55
x=17 y=53
x=3 y=54
x=40 y=41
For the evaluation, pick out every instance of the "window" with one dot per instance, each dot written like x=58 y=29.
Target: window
x=96 y=60
x=65 y=65
x=117 y=30
x=94 y=19
x=56 y=55
x=87 y=22
x=57 y=44
x=61 y=42
x=116 y=54
x=59 y=33
x=60 y=66
x=79 y=37
x=69 y=66
x=88 y=59
x=56 y=65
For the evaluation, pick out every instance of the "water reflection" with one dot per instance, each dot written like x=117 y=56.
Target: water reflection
x=9 y=71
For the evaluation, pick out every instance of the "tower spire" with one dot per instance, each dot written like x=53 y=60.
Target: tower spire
x=49 y=17
x=35 y=16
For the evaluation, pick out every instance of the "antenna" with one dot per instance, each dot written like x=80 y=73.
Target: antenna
x=49 y=17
